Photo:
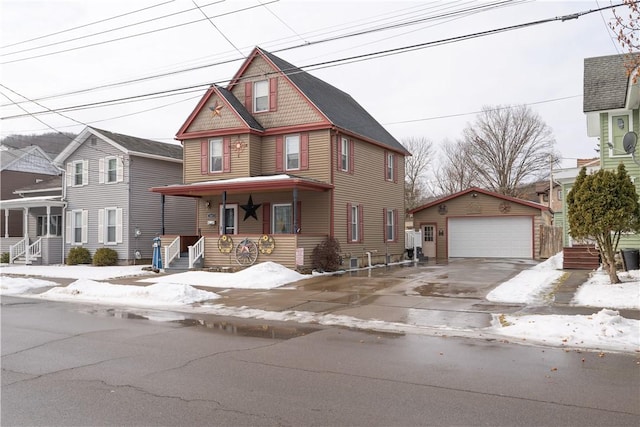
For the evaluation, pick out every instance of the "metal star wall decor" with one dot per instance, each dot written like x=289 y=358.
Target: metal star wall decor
x=215 y=110
x=250 y=209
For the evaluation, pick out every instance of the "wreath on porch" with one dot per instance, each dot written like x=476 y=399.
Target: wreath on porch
x=266 y=244
x=225 y=244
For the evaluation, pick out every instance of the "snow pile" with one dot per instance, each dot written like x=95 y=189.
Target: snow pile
x=164 y=294
x=20 y=285
x=598 y=291
x=530 y=286
x=266 y=275
x=76 y=271
x=605 y=330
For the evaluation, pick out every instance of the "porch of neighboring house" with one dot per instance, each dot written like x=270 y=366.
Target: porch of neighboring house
x=242 y=222
x=41 y=242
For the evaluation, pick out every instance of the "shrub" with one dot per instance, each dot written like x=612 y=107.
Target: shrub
x=105 y=257
x=326 y=255
x=78 y=255
x=4 y=258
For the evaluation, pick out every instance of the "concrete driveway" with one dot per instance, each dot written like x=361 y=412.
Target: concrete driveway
x=450 y=294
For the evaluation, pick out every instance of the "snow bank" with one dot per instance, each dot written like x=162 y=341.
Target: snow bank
x=599 y=292
x=76 y=271
x=20 y=285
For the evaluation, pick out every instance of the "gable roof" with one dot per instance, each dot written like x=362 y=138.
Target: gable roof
x=46 y=185
x=482 y=191
x=127 y=144
x=606 y=83
x=11 y=156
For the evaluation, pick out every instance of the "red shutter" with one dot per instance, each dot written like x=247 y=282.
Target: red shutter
x=279 y=154
x=204 y=157
x=266 y=218
x=351 y=161
x=349 y=222
x=304 y=151
x=226 y=154
x=299 y=216
x=386 y=164
x=360 y=224
x=384 y=224
x=395 y=168
x=395 y=225
x=248 y=96
x=339 y=152
x=273 y=94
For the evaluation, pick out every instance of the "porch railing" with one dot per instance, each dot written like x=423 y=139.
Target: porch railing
x=17 y=250
x=35 y=249
x=196 y=251
x=172 y=251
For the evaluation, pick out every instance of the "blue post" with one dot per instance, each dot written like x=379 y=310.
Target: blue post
x=156 y=261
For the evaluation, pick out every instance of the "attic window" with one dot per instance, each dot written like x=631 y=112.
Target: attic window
x=261 y=96
x=94 y=141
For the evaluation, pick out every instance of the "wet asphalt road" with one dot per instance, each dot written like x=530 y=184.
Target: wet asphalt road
x=68 y=364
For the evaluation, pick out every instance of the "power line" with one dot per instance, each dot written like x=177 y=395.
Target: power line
x=218 y=29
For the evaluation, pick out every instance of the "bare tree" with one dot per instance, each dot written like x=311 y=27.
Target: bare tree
x=626 y=29
x=454 y=173
x=507 y=147
x=416 y=169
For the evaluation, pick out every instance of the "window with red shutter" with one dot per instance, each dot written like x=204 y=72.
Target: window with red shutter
x=273 y=94
x=204 y=157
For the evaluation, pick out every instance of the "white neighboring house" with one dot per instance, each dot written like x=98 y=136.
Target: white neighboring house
x=106 y=190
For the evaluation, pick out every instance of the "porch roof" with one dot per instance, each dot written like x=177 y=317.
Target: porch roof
x=242 y=185
x=32 y=202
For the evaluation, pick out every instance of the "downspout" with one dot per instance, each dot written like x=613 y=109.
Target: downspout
x=223 y=219
x=162 y=200
x=296 y=226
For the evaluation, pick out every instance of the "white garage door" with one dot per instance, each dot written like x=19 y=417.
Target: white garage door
x=492 y=237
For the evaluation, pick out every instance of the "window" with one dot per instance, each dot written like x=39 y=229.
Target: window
x=354 y=224
x=389 y=164
x=390 y=227
x=282 y=219
x=428 y=233
x=77 y=227
x=261 y=96
x=344 y=154
x=78 y=173
x=111 y=225
x=230 y=216
x=619 y=125
x=112 y=169
x=55 y=225
x=292 y=151
x=215 y=155
x=559 y=194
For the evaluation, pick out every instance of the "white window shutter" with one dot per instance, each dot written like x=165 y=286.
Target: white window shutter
x=69 y=174
x=85 y=172
x=68 y=228
x=100 y=225
x=101 y=170
x=85 y=225
x=120 y=169
x=119 y=225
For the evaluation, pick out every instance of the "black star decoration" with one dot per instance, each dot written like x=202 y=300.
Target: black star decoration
x=250 y=209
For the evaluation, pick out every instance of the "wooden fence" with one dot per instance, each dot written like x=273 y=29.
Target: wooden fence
x=550 y=241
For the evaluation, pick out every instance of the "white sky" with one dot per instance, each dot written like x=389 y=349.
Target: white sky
x=532 y=65
x=605 y=329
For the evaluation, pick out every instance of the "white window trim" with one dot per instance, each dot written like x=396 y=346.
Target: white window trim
x=44 y=222
x=390 y=216
x=355 y=223
x=286 y=152
x=255 y=96
x=389 y=172
x=273 y=217
x=627 y=113
x=233 y=206
x=71 y=173
x=344 y=160
x=103 y=170
x=71 y=226
x=211 y=142
x=103 y=227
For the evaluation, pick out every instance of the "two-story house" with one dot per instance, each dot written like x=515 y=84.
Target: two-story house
x=106 y=192
x=278 y=161
x=611 y=104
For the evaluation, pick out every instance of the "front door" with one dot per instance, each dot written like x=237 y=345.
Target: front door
x=429 y=241
x=230 y=217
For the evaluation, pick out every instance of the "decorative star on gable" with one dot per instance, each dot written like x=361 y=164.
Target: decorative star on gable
x=250 y=209
x=215 y=110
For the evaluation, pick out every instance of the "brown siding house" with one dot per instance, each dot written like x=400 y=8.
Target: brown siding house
x=279 y=160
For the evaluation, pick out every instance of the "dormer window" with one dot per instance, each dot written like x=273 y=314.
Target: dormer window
x=261 y=96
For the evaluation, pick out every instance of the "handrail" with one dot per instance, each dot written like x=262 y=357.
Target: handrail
x=17 y=250
x=35 y=249
x=196 y=251
x=172 y=251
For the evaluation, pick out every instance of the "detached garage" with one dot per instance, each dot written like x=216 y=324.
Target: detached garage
x=477 y=223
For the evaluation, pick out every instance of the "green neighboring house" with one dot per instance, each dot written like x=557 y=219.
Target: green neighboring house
x=611 y=104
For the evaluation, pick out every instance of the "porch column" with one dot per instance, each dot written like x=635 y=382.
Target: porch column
x=25 y=234
x=223 y=217
x=162 y=213
x=296 y=226
x=48 y=221
x=6 y=223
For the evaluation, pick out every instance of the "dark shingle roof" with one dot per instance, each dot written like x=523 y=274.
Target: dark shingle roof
x=339 y=107
x=144 y=146
x=240 y=108
x=605 y=83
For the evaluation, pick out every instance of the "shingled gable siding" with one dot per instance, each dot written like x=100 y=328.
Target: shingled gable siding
x=205 y=120
x=292 y=107
x=367 y=187
x=195 y=162
x=319 y=156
